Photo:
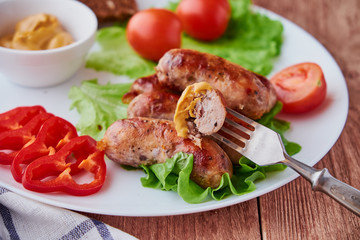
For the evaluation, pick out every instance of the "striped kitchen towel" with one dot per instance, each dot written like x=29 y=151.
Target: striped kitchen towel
x=24 y=218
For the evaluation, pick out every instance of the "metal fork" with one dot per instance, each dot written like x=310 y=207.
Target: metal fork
x=264 y=146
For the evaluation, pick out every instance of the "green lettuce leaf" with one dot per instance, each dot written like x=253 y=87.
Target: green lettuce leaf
x=174 y=174
x=252 y=40
x=98 y=105
x=117 y=56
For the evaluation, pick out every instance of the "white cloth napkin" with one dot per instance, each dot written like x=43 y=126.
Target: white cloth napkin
x=23 y=218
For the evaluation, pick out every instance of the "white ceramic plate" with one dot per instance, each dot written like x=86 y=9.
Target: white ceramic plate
x=123 y=194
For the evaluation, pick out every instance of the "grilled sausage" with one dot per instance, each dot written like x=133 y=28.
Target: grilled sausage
x=142 y=85
x=148 y=105
x=154 y=140
x=244 y=91
x=155 y=104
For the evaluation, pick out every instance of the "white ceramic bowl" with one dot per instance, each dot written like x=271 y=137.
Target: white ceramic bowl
x=43 y=68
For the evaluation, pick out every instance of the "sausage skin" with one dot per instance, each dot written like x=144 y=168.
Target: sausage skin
x=155 y=140
x=155 y=104
x=244 y=91
x=141 y=85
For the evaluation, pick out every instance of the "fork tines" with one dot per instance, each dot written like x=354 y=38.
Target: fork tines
x=236 y=131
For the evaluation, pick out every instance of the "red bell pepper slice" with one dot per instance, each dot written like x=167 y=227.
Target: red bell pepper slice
x=53 y=135
x=21 y=132
x=18 y=117
x=53 y=173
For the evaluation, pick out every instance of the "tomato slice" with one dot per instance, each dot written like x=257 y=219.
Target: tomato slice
x=301 y=87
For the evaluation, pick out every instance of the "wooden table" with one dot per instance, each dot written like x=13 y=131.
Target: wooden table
x=293 y=211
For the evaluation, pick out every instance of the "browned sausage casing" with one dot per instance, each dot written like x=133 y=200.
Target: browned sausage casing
x=155 y=104
x=244 y=91
x=148 y=141
x=142 y=85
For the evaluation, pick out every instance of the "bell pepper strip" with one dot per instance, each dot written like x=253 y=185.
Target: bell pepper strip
x=18 y=117
x=53 y=135
x=15 y=139
x=53 y=173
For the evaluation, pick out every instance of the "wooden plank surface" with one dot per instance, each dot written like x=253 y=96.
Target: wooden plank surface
x=293 y=211
x=226 y=223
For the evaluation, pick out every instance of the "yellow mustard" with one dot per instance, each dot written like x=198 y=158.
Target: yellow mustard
x=186 y=105
x=37 y=32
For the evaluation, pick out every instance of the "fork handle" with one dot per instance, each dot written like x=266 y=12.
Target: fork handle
x=321 y=180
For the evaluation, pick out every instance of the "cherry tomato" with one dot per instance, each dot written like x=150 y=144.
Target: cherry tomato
x=153 y=32
x=204 y=19
x=300 y=87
